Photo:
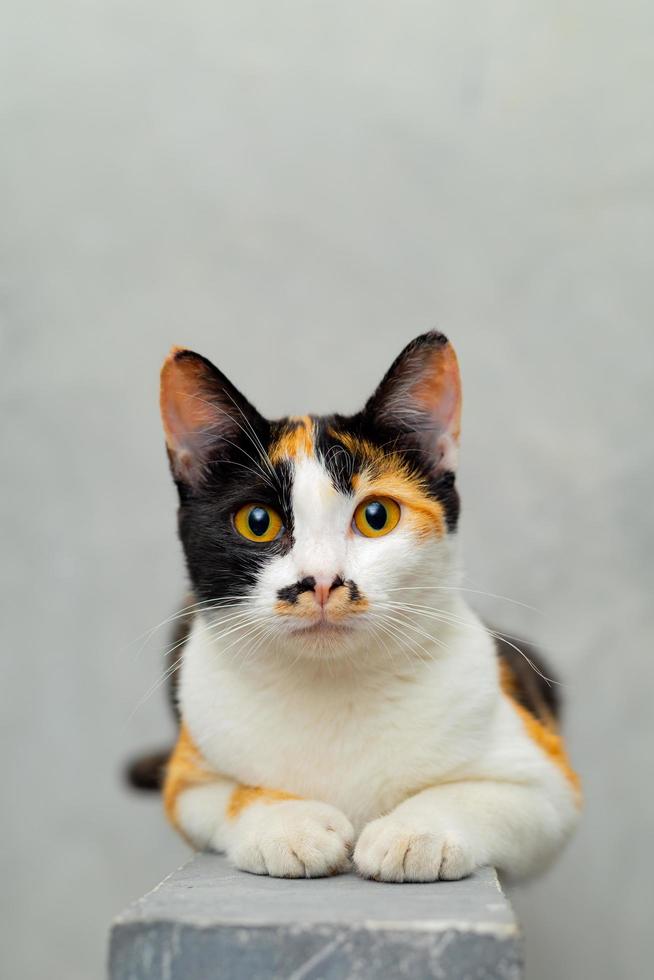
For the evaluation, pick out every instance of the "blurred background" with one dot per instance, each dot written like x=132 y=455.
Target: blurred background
x=295 y=190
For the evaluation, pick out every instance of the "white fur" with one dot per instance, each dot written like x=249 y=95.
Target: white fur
x=293 y=839
x=403 y=738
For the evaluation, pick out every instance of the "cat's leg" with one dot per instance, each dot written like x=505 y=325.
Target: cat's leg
x=449 y=830
x=261 y=830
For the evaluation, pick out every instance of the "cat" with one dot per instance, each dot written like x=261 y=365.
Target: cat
x=340 y=704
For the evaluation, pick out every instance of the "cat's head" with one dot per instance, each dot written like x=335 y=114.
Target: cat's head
x=314 y=528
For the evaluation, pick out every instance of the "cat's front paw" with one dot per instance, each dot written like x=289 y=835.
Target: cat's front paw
x=293 y=839
x=399 y=849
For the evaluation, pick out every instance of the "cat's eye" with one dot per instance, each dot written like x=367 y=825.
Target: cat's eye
x=258 y=522
x=376 y=516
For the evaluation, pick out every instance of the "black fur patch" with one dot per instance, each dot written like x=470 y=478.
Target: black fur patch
x=291 y=593
x=342 y=464
x=532 y=691
x=148 y=771
x=221 y=563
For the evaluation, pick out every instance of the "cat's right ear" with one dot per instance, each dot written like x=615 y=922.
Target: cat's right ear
x=204 y=416
x=419 y=400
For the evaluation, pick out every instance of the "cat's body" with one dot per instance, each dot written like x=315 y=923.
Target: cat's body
x=336 y=690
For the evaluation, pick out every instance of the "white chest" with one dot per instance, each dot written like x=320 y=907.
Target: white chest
x=359 y=741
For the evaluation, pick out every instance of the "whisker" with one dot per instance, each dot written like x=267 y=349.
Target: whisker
x=389 y=622
x=155 y=687
x=452 y=617
x=421 y=632
x=255 y=438
x=187 y=611
x=449 y=618
x=460 y=588
x=379 y=629
x=211 y=405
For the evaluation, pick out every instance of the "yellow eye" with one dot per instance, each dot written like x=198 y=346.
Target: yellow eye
x=258 y=522
x=376 y=516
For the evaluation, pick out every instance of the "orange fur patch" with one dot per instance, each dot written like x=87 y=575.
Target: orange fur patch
x=545 y=734
x=338 y=607
x=244 y=796
x=186 y=768
x=297 y=440
x=304 y=607
x=388 y=475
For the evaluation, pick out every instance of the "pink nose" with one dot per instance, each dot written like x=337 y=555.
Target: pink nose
x=321 y=592
x=321 y=587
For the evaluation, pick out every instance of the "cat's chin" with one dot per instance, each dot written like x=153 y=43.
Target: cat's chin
x=323 y=638
x=322 y=628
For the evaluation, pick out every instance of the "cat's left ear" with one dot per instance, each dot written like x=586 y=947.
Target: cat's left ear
x=419 y=399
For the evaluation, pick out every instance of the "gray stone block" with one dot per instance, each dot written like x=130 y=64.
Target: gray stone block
x=207 y=921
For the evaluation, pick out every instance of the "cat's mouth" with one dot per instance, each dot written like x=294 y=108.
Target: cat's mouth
x=322 y=627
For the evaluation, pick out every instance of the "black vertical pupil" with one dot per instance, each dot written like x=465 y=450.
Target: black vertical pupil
x=259 y=521
x=376 y=515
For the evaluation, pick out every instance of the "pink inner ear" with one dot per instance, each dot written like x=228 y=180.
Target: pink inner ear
x=438 y=393
x=185 y=412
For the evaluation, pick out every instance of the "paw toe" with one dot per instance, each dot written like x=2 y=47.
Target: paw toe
x=295 y=839
x=457 y=860
x=422 y=858
x=392 y=850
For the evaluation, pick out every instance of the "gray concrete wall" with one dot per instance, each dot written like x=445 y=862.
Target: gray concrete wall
x=295 y=189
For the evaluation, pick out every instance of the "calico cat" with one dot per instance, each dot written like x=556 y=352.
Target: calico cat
x=340 y=704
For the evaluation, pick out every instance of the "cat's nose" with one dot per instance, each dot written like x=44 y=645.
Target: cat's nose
x=321 y=592
x=321 y=587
